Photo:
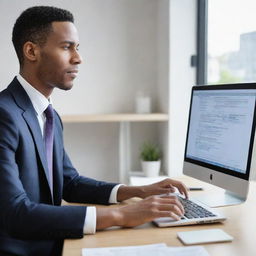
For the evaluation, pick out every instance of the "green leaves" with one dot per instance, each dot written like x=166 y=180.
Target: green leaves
x=150 y=152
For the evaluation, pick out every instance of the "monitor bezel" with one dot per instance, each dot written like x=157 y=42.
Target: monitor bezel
x=243 y=86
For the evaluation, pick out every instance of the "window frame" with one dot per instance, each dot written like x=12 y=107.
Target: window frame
x=202 y=41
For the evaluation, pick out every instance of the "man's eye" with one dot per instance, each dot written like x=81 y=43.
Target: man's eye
x=66 y=47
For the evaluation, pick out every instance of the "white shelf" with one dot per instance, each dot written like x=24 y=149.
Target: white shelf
x=124 y=132
x=118 y=117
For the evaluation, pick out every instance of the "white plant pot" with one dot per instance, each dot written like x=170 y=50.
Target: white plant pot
x=151 y=168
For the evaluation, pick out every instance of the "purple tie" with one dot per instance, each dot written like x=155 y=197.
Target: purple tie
x=48 y=141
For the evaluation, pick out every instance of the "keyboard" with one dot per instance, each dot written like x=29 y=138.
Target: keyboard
x=193 y=210
x=195 y=213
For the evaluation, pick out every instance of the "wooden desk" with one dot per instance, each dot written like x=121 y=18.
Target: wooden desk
x=240 y=223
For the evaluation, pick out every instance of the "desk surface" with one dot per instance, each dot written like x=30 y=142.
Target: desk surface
x=240 y=223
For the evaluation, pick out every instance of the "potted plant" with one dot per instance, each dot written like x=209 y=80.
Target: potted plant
x=150 y=159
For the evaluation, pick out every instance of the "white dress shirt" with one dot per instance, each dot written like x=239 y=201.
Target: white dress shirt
x=40 y=104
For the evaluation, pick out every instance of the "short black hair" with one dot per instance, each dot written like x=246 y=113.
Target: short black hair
x=34 y=24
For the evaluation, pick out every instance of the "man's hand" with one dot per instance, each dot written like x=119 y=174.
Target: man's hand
x=156 y=203
x=165 y=186
x=141 y=212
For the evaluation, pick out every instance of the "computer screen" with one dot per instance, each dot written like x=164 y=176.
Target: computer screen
x=220 y=134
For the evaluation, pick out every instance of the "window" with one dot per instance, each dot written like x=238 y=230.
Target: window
x=227 y=41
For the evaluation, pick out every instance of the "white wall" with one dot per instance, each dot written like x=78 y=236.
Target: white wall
x=124 y=44
x=163 y=76
x=181 y=77
x=127 y=46
x=118 y=44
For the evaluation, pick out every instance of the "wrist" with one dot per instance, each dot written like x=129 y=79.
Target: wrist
x=108 y=217
x=126 y=192
x=141 y=192
x=118 y=216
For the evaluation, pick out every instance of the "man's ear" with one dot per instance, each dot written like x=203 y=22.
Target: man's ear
x=31 y=51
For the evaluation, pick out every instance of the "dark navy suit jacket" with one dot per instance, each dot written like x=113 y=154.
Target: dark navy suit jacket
x=32 y=222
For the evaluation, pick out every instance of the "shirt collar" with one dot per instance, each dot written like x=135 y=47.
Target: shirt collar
x=39 y=101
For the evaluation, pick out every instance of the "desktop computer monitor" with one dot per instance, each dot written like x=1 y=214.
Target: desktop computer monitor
x=220 y=138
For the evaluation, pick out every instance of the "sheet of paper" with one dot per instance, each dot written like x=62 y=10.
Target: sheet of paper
x=186 y=251
x=146 y=250
x=123 y=251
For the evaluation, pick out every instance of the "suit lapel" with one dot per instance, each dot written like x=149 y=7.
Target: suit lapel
x=34 y=127
x=22 y=100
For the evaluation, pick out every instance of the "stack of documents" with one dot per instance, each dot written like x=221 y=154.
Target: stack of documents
x=146 y=250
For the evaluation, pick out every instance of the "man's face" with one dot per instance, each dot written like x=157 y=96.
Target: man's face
x=59 y=58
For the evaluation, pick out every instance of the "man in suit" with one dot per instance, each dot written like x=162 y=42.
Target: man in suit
x=35 y=171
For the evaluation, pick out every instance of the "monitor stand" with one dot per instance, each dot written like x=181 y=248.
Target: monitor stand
x=220 y=199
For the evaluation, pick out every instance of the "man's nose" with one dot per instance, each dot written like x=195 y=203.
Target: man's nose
x=76 y=58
